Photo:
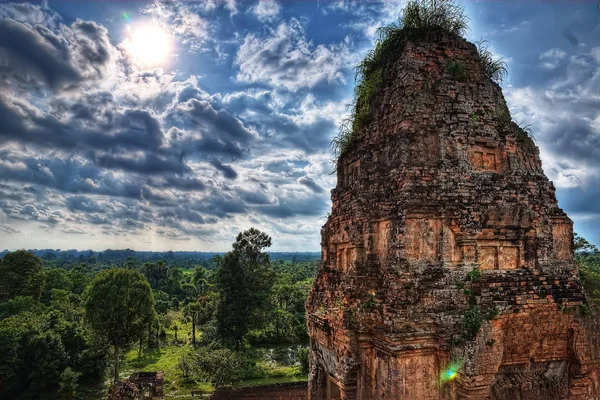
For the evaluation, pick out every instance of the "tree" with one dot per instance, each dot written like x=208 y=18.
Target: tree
x=244 y=281
x=119 y=306
x=157 y=274
x=587 y=257
x=219 y=366
x=68 y=384
x=22 y=275
x=191 y=311
x=201 y=281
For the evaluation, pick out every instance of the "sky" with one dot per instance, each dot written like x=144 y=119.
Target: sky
x=175 y=125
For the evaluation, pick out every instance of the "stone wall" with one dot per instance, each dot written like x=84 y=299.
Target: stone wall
x=443 y=219
x=284 y=391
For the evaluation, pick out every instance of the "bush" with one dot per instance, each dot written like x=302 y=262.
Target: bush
x=68 y=384
x=494 y=69
x=303 y=357
x=219 y=366
x=435 y=14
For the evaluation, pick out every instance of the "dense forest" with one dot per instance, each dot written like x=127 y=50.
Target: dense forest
x=71 y=327
x=72 y=323
x=181 y=259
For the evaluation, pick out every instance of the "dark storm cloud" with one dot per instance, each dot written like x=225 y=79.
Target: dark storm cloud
x=227 y=170
x=219 y=131
x=185 y=213
x=134 y=129
x=311 y=184
x=33 y=43
x=574 y=138
x=185 y=183
x=284 y=127
x=294 y=207
x=570 y=36
x=254 y=197
x=148 y=163
x=83 y=203
x=37 y=50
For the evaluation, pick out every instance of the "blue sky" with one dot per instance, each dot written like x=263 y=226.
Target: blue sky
x=173 y=126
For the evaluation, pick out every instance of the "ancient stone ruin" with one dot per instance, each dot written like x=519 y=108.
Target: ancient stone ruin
x=447 y=266
x=140 y=385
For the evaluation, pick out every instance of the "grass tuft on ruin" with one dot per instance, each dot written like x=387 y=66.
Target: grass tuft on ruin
x=417 y=20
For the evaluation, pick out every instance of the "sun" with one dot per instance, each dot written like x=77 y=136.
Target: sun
x=149 y=45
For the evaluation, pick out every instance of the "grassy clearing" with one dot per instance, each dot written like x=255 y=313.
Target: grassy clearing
x=167 y=358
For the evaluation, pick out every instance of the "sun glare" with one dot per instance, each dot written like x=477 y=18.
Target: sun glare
x=149 y=45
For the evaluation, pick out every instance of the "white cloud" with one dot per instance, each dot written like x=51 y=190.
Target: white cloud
x=266 y=10
x=183 y=22
x=551 y=58
x=565 y=116
x=287 y=59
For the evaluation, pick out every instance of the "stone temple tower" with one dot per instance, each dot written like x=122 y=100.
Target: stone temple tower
x=447 y=266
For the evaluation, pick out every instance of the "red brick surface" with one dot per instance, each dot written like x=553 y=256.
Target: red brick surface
x=292 y=391
x=442 y=182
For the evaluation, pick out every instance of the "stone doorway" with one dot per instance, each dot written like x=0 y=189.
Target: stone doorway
x=333 y=391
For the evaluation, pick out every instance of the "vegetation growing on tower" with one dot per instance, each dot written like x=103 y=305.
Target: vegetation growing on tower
x=418 y=20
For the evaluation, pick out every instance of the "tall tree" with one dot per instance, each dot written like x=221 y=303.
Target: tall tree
x=191 y=311
x=119 y=306
x=244 y=281
x=157 y=274
x=21 y=274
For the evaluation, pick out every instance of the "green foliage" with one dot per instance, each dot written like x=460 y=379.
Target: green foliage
x=20 y=304
x=46 y=344
x=418 y=19
x=428 y=15
x=503 y=115
x=303 y=356
x=369 y=304
x=491 y=312
x=472 y=322
x=22 y=275
x=157 y=274
x=68 y=384
x=494 y=69
x=524 y=132
x=473 y=120
x=244 y=283
x=219 y=366
x=457 y=70
x=474 y=274
x=118 y=306
x=587 y=257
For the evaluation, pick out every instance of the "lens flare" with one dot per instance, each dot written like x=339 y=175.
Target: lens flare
x=451 y=372
x=126 y=17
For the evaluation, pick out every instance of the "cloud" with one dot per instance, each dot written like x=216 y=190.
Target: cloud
x=8 y=229
x=97 y=148
x=227 y=170
x=565 y=115
x=564 y=112
x=52 y=53
x=266 y=10
x=183 y=21
x=311 y=184
x=551 y=58
x=285 y=58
